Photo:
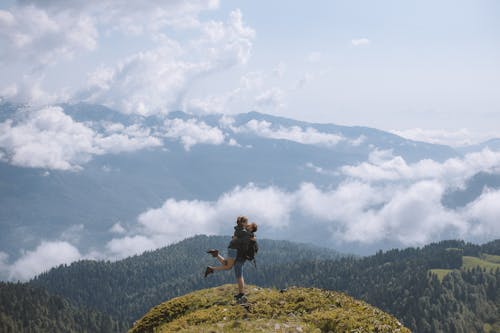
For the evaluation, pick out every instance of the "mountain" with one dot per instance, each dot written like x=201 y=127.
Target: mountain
x=24 y=308
x=267 y=310
x=492 y=144
x=201 y=157
x=125 y=289
x=450 y=286
x=472 y=189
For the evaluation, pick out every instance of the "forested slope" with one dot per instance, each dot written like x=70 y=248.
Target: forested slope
x=400 y=282
x=126 y=289
x=27 y=309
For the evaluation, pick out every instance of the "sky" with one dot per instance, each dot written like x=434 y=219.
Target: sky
x=425 y=70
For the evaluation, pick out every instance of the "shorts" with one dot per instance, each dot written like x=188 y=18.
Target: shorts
x=238 y=268
x=232 y=253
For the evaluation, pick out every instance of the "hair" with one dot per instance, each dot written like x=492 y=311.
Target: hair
x=240 y=220
x=253 y=225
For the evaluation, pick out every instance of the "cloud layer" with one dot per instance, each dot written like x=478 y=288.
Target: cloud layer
x=383 y=200
x=48 y=138
x=298 y=134
x=191 y=132
x=396 y=203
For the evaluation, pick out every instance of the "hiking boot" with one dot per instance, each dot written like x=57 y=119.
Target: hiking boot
x=213 y=252
x=208 y=271
x=239 y=296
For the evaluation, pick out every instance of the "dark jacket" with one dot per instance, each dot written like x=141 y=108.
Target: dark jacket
x=242 y=238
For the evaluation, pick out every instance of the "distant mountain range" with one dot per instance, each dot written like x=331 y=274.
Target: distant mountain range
x=200 y=157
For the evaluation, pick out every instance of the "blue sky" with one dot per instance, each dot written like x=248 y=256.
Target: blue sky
x=426 y=69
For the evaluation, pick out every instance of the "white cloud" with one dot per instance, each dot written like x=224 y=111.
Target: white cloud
x=408 y=214
x=485 y=214
x=41 y=32
x=308 y=135
x=360 y=42
x=33 y=35
x=177 y=219
x=45 y=256
x=272 y=99
x=157 y=80
x=128 y=246
x=354 y=212
x=72 y=234
x=358 y=141
x=406 y=211
x=383 y=166
x=458 y=138
x=48 y=138
x=117 y=228
x=192 y=132
x=40 y=38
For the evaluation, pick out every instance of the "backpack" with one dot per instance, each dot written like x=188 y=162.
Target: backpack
x=251 y=250
x=248 y=251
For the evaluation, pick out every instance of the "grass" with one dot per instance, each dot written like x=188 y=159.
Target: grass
x=441 y=273
x=472 y=262
x=487 y=261
x=295 y=310
x=491 y=258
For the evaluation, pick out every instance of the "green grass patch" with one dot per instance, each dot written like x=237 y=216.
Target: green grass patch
x=472 y=262
x=491 y=258
x=441 y=273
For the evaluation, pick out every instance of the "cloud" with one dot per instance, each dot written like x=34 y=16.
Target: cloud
x=120 y=248
x=272 y=99
x=353 y=212
x=360 y=42
x=192 y=132
x=458 y=138
x=41 y=32
x=484 y=213
x=41 y=37
x=117 y=228
x=405 y=213
x=308 y=135
x=383 y=166
x=178 y=219
x=157 y=80
x=33 y=35
x=48 y=138
x=45 y=256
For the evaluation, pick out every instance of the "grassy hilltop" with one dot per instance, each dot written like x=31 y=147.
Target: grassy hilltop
x=268 y=310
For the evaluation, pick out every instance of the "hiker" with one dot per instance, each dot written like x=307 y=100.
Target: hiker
x=236 y=254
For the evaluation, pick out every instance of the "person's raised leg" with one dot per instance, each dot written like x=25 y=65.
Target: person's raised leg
x=222 y=260
x=227 y=264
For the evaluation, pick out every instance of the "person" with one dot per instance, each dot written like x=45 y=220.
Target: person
x=243 y=235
